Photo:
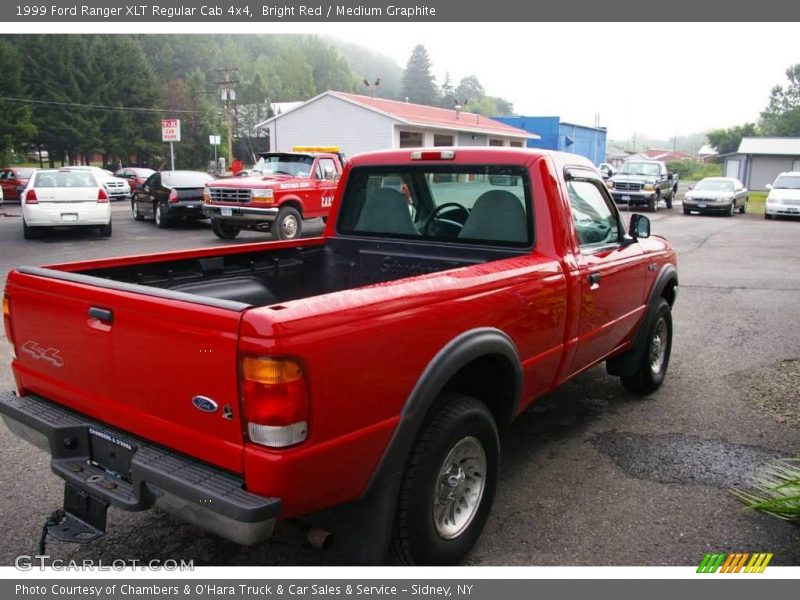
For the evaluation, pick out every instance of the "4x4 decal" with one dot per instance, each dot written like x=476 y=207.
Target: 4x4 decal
x=51 y=355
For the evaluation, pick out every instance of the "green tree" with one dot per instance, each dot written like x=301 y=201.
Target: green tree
x=782 y=115
x=16 y=126
x=469 y=88
x=725 y=141
x=329 y=69
x=418 y=83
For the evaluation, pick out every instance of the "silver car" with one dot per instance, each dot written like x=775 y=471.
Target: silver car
x=724 y=195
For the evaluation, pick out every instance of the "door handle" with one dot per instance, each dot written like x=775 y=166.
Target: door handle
x=594 y=280
x=101 y=314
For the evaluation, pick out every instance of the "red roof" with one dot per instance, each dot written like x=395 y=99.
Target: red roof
x=668 y=155
x=420 y=114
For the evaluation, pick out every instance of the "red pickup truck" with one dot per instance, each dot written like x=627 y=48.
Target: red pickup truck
x=281 y=190
x=369 y=369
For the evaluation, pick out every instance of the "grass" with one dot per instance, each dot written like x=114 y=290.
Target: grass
x=776 y=490
x=756 y=202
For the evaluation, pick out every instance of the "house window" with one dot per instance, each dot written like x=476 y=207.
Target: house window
x=516 y=144
x=442 y=140
x=493 y=142
x=796 y=164
x=410 y=139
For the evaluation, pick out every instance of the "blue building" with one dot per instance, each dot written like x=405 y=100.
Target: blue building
x=566 y=137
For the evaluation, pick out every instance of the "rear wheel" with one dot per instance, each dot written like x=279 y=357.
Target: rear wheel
x=743 y=207
x=105 y=230
x=671 y=198
x=448 y=485
x=288 y=225
x=655 y=354
x=29 y=233
x=224 y=231
x=161 y=218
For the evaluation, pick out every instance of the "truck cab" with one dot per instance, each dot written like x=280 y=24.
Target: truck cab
x=282 y=189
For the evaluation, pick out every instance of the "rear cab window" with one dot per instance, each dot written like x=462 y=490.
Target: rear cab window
x=458 y=204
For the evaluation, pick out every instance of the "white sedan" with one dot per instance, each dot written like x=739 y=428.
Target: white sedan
x=64 y=198
x=117 y=187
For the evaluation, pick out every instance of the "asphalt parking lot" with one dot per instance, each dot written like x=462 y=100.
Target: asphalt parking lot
x=591 y=475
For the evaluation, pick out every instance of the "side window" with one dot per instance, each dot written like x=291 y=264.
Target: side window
x=596 y=224
x=327 y=168
x=151 y=181
x=5 y=175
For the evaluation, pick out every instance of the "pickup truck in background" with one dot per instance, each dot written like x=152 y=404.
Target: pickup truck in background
x=643 y=183
x=281 y=190
x=368 y=370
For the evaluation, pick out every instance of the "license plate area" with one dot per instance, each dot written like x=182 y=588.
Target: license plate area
x=226 y=211
x=111 y=454
x=69 y=217
x=626 y=198
x=702 y=205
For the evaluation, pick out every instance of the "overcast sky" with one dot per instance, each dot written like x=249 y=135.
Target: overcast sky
x=657 y=80
x=654 y=79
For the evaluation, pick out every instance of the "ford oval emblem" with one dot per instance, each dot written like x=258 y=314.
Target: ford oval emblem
x=205 y=404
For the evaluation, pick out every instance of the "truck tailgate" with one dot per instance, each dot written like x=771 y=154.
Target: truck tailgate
x=132 y=360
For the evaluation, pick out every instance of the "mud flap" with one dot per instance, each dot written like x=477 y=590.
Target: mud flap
x=82 y=520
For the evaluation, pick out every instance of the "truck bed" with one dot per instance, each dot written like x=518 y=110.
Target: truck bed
x=265 y=277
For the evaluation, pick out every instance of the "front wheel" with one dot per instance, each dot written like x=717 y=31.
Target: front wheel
x=652 y=203
x=448 y=486
x=655 y=354
x=743 y=207
x=288 y=225
x=671 y=198
x=137 y=216
x=224 y=231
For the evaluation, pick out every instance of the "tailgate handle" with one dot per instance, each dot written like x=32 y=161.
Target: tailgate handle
x=101 y=314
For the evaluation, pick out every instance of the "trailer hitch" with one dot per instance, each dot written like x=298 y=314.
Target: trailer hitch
x=82 y=520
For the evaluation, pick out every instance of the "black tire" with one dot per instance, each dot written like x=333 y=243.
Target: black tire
x=30 y=233
x=161 y=219
x=288 y=225
x=417 y=539
x=767 y=216
x=105 y=230
x=137 y=216
x=686 y=211
x=669 y=200
x=652 y=203
x=224 y=231
x=648 y=377
x=732 y=210
x=743 y=207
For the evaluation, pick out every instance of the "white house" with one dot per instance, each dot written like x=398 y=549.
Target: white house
x=358 y=124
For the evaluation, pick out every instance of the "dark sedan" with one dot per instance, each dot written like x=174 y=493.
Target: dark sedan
x=135 y=176
x=167 y=196
x=13 y=179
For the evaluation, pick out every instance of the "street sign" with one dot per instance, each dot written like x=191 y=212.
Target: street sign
x=215 y=140
x=170 y=130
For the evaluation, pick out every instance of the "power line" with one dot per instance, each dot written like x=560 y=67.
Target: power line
x=100 y=106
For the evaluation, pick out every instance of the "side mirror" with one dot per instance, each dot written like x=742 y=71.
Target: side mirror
x=670 y=176
x=768 y=186
x=639 y=227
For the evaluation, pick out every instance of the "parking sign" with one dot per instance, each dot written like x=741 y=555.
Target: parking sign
x=170 y=130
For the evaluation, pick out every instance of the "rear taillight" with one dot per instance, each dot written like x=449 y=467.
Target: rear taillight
x=275 y=401
x=7 y=319
x=173 y=196
x=102 y=196
x=30 y=197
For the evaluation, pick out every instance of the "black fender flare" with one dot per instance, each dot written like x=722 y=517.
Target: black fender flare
x=367 y=523
x=626 y=364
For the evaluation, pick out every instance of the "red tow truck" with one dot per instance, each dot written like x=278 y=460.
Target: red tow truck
x=280 y=191
x=369 y=370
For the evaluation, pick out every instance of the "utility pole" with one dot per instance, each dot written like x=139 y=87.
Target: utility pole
x=229 y=80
